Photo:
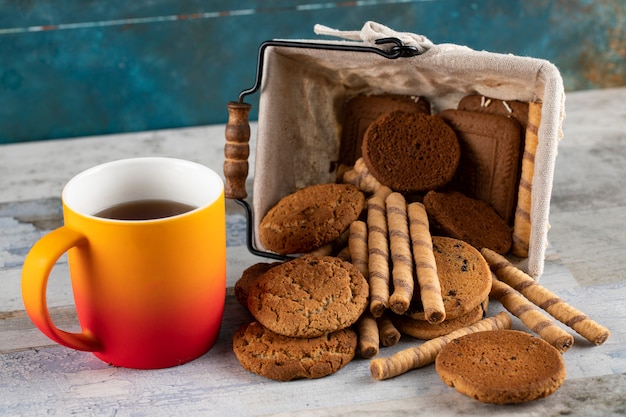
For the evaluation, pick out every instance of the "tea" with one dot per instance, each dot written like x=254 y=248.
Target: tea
x=144 y=210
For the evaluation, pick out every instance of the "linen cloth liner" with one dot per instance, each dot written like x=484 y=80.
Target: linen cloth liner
x=303 y=92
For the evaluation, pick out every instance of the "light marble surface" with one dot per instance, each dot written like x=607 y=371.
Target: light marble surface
x=584 y=265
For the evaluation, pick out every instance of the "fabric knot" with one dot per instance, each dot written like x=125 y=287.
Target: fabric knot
x=372 y=31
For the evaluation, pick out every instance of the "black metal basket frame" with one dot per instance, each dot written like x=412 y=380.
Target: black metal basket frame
x=397 y=50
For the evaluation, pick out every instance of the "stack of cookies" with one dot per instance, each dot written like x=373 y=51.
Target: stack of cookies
x=405 y=160
x=303 y=310
x=316 y=302
x=408 y=242
x=465 y=283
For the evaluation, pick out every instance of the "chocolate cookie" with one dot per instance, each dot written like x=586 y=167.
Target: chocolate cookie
x=309 y=296
x=491 y=149
x=464 y=277
x=501 y=367
x=423 y=329
x=411 y=152
x=248 y=278
x=282 y=358
x=455 y=215
x=311 y=217
x=362 y=110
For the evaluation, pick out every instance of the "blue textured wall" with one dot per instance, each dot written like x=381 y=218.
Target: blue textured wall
x=73 y=68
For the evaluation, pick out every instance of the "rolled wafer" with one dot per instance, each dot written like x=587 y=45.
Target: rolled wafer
x=425 y=265
x=424 y=354
x=341 y=171
x=332 y=247
x=401 y=257
x=545 y=299
x=359 y=176
x=357 y=243
x=368 y=332
x=378 y=255
x=324 y=250
x=536 y=321
x=521 y=222
x=344 y=255
x=389 y=334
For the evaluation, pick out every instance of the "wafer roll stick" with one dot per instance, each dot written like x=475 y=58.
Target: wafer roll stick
x=341 y=171
x=388 y=333
x=363 y=180
x=425 y=265
x=401 y=258
x=378 y=255
x=521 y=222
x=357 y=242
x=536 y=321
x=545 y=299
x=344 y=255
x=424 y=354
x=369 y=341
x=324 y=250
x=332 y=247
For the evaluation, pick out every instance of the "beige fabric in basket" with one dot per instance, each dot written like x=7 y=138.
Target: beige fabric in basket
x=303 y=92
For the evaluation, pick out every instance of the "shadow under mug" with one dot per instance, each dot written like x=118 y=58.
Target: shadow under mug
x=148 y=293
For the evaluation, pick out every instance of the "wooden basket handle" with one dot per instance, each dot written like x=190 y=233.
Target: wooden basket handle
x=236 y=150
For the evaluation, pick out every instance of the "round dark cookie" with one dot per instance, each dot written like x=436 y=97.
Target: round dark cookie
x=309 y=296
x=411 y=152
x=311 y=217
x=360 y=111
x=455 y=215
x=501 y=366
x=282 y=358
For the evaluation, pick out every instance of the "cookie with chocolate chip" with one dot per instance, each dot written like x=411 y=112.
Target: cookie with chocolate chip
x=464 y=277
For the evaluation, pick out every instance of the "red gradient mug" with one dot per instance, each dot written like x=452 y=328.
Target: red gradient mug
x=149 y=292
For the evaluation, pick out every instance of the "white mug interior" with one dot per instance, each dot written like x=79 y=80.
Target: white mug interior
x=136 y=179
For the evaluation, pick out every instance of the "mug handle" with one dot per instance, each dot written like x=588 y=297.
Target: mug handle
x=35 y=272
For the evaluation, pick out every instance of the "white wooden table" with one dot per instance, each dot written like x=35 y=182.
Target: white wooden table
x=585 y=265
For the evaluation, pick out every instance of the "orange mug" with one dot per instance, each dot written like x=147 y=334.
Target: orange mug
x=149 y=280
